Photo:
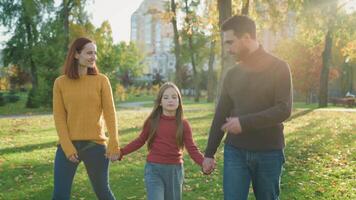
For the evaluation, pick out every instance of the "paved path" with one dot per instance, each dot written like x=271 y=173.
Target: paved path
x=140 y=106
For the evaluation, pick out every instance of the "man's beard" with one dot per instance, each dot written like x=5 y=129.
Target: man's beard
x=242 y=54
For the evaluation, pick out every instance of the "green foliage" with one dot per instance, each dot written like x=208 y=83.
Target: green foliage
x=2 y=99
x=33 y=99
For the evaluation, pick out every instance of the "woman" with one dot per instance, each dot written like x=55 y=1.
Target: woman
x=81 y=97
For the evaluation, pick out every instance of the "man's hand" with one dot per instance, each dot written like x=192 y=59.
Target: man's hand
x=208 y=165
x=232 y=125
x=74 y=158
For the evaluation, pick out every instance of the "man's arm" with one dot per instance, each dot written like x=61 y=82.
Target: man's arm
x=222 y=111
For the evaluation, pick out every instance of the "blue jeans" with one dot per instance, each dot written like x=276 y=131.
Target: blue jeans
x=96 y=164
x=164 y=181
x=241 y=167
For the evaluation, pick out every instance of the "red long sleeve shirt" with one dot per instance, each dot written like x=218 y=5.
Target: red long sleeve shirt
x=164 y=148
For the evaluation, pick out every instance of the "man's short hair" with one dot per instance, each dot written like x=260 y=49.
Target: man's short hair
x=240 y=24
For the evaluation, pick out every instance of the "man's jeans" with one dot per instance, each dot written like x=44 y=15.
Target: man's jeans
x=164 y=181
x=241 y=167
x=96 y=164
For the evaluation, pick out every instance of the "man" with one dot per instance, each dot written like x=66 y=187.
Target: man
x=256 y=97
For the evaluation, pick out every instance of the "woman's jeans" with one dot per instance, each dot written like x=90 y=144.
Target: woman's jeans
x=241 y=167
x=96 y=164
x=164 y=181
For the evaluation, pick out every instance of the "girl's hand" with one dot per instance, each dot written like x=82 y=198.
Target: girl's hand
x=74 y=158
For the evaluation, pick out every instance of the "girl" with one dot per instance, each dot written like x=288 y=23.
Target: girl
x=166 y=133
x=80 y=97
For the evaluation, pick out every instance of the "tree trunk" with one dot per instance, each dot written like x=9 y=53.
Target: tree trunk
x=66 y=24
x=31 y=39
x=225 y=11
x=245 y=8
x=211 y=76
x=176 y=45
x=192 y=54
x=324 y=76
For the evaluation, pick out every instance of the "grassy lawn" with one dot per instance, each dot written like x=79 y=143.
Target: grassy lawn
x=320 y=158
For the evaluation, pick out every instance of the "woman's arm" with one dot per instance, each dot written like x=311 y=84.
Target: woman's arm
x=109 y=112
x=60 y=120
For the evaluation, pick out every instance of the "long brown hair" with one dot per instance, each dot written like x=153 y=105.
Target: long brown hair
x=154 y=117
x=71 y=64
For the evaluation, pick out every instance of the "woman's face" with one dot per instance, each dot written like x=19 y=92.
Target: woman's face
x=87 y=56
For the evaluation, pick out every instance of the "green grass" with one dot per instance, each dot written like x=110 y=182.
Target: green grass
x=320 y=158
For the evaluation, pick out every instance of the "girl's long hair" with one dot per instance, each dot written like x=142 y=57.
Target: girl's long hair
x=154 y=117
x=71 y=64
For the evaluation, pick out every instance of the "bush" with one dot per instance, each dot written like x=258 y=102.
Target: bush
x=12 y=97
x=2 y=100
x=33 y=100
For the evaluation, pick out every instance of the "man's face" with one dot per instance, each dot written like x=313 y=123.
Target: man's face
x=235 y=46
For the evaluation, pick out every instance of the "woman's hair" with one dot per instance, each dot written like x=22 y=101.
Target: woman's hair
x=154 y=117
x=71 y=64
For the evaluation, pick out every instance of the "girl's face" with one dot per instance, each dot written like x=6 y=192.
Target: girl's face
x=169 y=101
x=87 y=56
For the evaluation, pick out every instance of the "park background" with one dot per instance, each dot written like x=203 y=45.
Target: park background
x=316 y=37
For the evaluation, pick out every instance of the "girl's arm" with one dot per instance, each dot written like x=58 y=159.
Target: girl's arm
x=136 y=143
x=190 y=145
x=110 y=117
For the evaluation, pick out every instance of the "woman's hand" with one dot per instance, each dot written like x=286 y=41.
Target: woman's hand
x=74 y=158
x=113 y=157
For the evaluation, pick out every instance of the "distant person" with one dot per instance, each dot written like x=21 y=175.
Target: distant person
x=256 y=97
x=81 y=97
x=166 y=133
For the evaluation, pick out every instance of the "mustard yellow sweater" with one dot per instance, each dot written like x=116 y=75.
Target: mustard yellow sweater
x=79 y=106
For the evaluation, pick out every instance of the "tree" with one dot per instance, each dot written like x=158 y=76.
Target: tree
x=173 y=15
x=24 y=19
x=130 y=62
x=74 y=9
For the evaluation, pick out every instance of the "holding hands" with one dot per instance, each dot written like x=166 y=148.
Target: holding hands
x=208 y=165
x=114 y=156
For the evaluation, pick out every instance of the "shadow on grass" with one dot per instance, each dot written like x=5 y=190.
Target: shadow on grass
x=27 y=148
x=300 y=114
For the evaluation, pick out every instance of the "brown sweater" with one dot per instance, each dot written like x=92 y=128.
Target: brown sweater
x=259 y=92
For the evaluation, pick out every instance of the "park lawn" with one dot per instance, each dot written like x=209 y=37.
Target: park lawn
x=320 y=158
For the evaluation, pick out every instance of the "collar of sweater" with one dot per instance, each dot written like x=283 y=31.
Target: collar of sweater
x=168 y=117
x=256 y=61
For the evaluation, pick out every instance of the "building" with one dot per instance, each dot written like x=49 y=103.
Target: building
x=154 y=37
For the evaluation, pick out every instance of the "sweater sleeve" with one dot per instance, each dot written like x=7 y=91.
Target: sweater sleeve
x=282 y=103
x=60 y=120
x=110 y=117
x=190 y=145
x=222 y=111
x=138 y=142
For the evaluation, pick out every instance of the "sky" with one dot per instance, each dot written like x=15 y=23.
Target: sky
x=117 y=12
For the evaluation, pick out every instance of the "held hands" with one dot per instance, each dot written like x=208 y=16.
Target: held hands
x=208 y=165
x=113 y=156
x=232 y=125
